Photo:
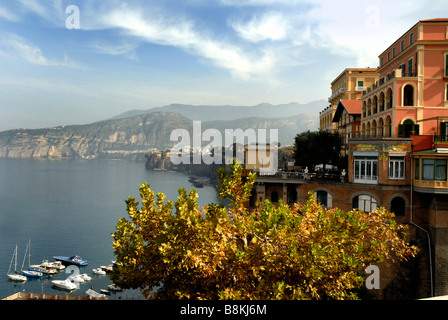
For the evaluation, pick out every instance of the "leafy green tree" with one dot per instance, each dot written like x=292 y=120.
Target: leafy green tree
x=317 y=147
x=177 y=250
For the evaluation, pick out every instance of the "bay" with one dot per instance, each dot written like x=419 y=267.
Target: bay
x=70 y=207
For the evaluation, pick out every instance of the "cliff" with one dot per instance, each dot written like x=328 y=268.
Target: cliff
x=131 y=138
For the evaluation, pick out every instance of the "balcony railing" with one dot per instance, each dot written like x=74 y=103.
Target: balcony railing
x=337 y=93
x=322 y=175
x=441 y=138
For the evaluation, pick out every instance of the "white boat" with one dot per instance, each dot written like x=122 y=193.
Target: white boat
x=65 y=284
x=114 y=287
x=99 y=271
x=57 y=265
x=109 y=268
x=76 y=278
x=45 y=269
x=86 y=277
x=15 y=276
x=30 y=273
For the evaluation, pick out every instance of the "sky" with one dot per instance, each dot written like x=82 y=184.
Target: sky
x=79 y=61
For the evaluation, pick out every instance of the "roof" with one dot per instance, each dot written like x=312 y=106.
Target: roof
x=353 y=107
x=435 y=20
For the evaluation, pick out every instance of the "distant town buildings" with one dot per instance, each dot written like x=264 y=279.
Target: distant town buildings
x=393 y=121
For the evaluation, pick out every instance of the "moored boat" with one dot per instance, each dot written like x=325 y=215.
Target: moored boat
x=65 y=284
x=57 y=265
x=86 y=277
x=15 y=276
x=107 y=268
x=114 y=287
x=73 y=260
x=30 y=273
x=99 y=271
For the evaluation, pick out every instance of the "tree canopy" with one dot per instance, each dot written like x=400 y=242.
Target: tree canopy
x=177 y=250
x=312 y=148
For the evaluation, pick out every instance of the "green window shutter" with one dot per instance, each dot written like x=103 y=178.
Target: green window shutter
x=416 y=129
x=446 y=65
x=443 y=127
x=400 y=130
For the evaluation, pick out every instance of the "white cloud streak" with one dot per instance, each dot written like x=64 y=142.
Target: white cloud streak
x=8 y=15
x=30 y=53
x=182 y=33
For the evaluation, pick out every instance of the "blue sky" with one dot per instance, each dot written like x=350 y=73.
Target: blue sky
x=139 y=54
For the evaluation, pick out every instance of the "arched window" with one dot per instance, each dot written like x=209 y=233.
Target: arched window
x=388 y=127
x=374 y=129
x=398 y=206
x=365 y=203
x=380 y=127
x=382 y=101
x=322 y=197
x=292 y=196
x=408 y=95
x=408 y=128
x=274 y=196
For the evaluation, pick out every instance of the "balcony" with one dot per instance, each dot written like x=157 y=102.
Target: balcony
x=360 y=89
x=336 y=94
x=303 y=176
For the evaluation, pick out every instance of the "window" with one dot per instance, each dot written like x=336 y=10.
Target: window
x=396 y=168
x=411 y=67
x=366 y=170
x=408 y=95
x=446 y=65
x=365 y=203
x=434 y=169
x=360 y=83
x=398 y=206
x=394 y=53
x=402 y=45
x=322 y=198
x=408 y=128
x=382 y=61
x=292 y=196
x=417 y=169
x=388 y=56
x=411 y=38
x=274 y=197
x=403 y=70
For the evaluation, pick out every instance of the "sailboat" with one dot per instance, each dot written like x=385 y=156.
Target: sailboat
x=15 y=276
x=30 y=273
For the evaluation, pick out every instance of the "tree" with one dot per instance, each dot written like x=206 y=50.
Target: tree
x=320 y=147
x=178 y=250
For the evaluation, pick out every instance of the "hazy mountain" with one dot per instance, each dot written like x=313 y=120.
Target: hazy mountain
x=226 y=112
x=133 y=134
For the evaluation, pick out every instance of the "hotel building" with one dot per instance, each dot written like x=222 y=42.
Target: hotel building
x=349 y=85
x=397 y=148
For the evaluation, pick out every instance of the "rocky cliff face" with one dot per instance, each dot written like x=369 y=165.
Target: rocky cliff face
x=130 y=138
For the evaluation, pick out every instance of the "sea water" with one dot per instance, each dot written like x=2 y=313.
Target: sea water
x=71 y=207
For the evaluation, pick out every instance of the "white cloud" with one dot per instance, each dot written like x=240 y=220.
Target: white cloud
x=125 y=49
x=31 y=53
x=269 y=26
x=36 y=7
x=7 y=14
x=180 y=32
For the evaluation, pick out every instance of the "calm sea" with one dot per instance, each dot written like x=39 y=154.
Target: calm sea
x=71 y=208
